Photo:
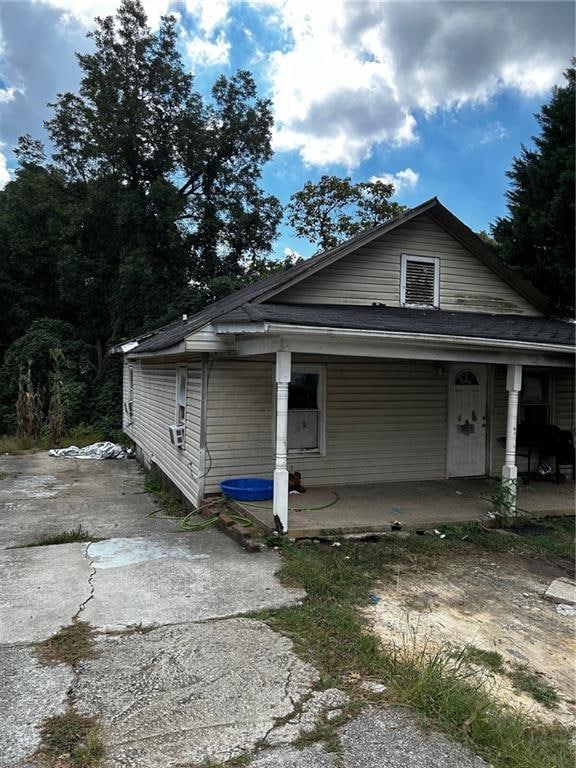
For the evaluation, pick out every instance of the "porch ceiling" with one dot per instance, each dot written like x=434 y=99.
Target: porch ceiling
x=357 y=509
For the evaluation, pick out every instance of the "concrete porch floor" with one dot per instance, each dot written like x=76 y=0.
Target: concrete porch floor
x=355 y=509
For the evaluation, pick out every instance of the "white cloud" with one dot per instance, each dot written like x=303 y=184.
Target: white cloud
x=5 y=174
x=85 y=11
x=292 y=256
x=210 y=13
x=494 y=132
x=207 y=53
x=357 y=71
x=7 y=94
x=406 y=179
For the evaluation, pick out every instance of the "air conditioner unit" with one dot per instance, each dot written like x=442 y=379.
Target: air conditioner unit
x=177 y=435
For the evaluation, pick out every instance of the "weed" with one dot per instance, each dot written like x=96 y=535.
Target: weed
x=168 y=502
x=331 y=630
x=490 y=660
x=555 y=537
x=525 y=679
x=72 y=735
x=69 y=645
x=80 y=436
x=63 y=537
x=502 y=497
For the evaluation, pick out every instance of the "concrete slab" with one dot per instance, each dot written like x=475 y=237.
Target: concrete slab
x=561 y=591
x=374 y=507
x=392 y=738
x=180 y=578
x=181 y=695
x=41 y=589
x=42 y=495
x=29 y=693
x=313 y=756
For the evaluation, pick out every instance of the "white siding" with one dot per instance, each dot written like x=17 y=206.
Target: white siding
x=372 y=274
x=154 y=411
x=385 y=421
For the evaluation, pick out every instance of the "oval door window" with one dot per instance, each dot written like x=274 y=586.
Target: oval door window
x=466 y=378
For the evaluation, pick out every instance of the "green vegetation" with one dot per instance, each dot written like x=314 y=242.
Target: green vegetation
x=170 y=504
x=525 y=679
x=537 y=236
x=80 y=436
x=69 y=645
x=74 y=735
x=548 y=536
x=490 y=660
x=63 y=537
x=330 y=629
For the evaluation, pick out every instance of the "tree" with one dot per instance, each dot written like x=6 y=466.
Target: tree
x=537 y=236
x=169 y=182
x=335 y=209
x=149 y=206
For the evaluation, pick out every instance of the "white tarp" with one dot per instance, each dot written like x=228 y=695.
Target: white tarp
x=95 y=451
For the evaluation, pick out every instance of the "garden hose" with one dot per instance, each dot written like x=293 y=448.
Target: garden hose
x=187 y=525
x=293 y=509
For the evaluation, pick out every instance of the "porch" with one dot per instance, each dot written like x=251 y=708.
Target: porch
x=372 y=508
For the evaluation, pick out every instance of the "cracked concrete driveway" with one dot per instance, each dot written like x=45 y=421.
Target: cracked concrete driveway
x=203 y=683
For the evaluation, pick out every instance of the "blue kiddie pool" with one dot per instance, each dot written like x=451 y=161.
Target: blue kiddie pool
x=248 y=489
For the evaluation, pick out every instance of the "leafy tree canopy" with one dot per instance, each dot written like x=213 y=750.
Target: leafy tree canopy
x=537 y=236
x=150 y=204
x=334 y=209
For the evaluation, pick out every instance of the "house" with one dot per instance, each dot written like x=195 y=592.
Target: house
x=408 y=353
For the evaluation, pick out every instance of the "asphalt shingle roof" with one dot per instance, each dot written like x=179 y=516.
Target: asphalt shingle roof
x=536 y=330
x=262 y=290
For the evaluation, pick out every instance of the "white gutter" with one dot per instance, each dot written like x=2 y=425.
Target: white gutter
x=369 y=335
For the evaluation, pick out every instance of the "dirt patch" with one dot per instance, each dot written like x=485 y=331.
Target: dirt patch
x=493 y=603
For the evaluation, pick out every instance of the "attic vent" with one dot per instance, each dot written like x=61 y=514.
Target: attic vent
x=420 y=281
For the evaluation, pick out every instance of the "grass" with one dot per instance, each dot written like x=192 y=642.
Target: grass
x=331 y=630
x=525 y=679
x=69 y=645
x=73 y=735
x=490 y=660
x=62 y=537
x=548 y=536
x=168 y=502
x=80 y=436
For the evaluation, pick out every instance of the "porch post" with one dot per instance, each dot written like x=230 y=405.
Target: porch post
x=510 y=470
x=283 y=375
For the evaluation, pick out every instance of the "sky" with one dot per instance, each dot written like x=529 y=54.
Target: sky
x=436 y=97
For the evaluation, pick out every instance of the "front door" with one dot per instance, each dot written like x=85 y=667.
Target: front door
x=467 y=420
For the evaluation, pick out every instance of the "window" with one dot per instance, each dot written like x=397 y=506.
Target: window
x=420 y=281
x=306 y=410
x=466 y=378
x=534 y=406
x=181 y=396
x=130 y=396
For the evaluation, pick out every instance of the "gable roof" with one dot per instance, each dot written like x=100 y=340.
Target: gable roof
x=262 y=290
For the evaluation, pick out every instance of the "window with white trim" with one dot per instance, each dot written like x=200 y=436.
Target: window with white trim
x=420 y=281
x=181 y=393
x=129 y=407
x=306 y=410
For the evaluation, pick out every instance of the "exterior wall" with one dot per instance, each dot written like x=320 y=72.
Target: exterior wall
x=562 y=411
x=155 y=410
x=385 y=421
x=372 y=274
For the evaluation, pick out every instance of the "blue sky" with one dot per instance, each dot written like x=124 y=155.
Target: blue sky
x=435 y=96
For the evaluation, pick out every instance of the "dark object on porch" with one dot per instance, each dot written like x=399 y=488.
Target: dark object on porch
x=547 y=440
x=295 y=482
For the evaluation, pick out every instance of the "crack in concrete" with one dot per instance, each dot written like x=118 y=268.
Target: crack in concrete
x=90 y=583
